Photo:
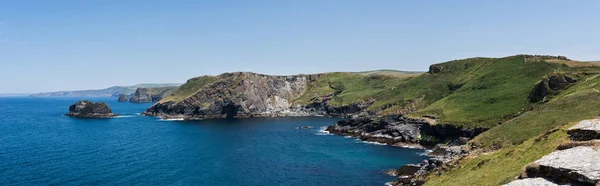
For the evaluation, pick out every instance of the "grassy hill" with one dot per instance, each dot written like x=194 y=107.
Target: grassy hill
x=525 y=101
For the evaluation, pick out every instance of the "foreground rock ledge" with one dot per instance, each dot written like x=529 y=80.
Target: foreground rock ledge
x=88 y=109
x=585 y=130
x=531 y=182
x=578 y=165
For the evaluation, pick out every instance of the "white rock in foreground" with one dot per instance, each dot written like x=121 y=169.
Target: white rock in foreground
x=579 y=164
x=531 y=182
x=585 y=130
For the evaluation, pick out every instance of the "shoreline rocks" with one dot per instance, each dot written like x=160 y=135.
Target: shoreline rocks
x=88 y=109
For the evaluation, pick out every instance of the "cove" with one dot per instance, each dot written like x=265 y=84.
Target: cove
x=40 y=146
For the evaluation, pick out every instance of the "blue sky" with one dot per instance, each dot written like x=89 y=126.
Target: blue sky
x=77 y=44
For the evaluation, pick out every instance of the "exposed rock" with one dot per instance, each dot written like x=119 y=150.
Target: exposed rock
x=88 y=109
x=585 y=130
x=531 y=182
x=245 y=94
x=434 y=69
x=579 y=165
x=392 y=172
x=122 y=98
x=400 y=131
x=549 y=86
x=409 y=169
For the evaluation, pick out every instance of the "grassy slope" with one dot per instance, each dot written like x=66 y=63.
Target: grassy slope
x=189 y=88
x=502 y=166
x=349 y=87
x=498 y=90
x=516 y=138
x=576 y=103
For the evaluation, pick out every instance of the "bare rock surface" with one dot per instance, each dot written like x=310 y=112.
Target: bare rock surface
x=578 y=165
x=585 y=130
x=531 y=182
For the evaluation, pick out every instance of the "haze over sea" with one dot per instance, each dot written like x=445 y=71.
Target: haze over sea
x=38 y=145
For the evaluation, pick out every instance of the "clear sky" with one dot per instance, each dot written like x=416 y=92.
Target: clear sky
x=49 y=45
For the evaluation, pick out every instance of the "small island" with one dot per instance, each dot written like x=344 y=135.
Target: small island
x=88 y=109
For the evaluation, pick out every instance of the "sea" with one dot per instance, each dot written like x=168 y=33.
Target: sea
x=41 y=146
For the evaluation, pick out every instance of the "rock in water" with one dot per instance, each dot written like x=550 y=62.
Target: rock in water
x=122 y=98
x=88 y=109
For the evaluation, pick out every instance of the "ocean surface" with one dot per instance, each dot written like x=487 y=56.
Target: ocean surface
x=40 y=146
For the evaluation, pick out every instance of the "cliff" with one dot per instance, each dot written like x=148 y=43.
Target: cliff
x=147 y=95
x=240 y=94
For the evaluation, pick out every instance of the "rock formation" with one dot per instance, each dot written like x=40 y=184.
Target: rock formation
x=122 y=98
x=585 y=130
x=88 y=109
x=241 y=94
x=550 y=85
x=574 y=163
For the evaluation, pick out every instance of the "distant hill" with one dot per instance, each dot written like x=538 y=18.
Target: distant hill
x=107 y=92
x=12 y=95
x=389 y=72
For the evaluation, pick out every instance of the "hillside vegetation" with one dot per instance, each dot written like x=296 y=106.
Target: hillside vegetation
x=525 y=101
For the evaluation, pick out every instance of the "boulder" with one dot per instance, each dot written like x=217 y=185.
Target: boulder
x=578 y=165
x=409 y=169
x=88 y=109
x=585 y=130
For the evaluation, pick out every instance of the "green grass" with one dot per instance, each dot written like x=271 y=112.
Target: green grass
x=189 y=88
x=501 y=166
x=349 y=87
x=498 y=89
x=577 y=103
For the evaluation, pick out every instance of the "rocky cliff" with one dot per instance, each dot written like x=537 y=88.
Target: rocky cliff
x=240 y=94
x=88 y=109
x=147 y=95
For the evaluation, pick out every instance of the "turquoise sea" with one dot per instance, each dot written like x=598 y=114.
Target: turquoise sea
x=40 y=146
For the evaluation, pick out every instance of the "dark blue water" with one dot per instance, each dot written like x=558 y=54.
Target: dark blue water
x=40 y=146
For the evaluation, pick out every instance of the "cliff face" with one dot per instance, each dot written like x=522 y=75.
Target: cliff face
x=240 y=94
x=147 y=95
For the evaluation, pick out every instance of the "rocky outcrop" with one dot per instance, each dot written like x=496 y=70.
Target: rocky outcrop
x=245 y=94
x=88 y=109
x=122 y=98
x=550 y=85
x=574 y=163
x=531 y=182
x=578 y=165
x=585 y=130
x=396 y=130
x=148 y=95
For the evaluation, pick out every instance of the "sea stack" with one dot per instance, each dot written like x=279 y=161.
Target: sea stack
x=88 y=109
x=122 y=98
